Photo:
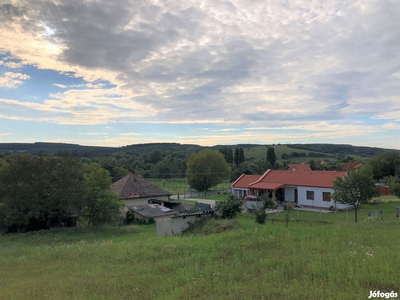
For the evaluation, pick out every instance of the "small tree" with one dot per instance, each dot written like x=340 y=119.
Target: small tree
x=356 y=188
x=230 y=208
x=267 y=203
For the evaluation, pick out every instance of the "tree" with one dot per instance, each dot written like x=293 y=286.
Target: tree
x=356 y=188
x=41 y=192
x=385 y=164
x=236 y=156
x=206 y=169
x=230 y=208
x=394 y=184
x=101 y=205
x=271 y=157
x=241 y=156
x=227 y=154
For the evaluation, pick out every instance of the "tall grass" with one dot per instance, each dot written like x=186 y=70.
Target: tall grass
x=226 y=259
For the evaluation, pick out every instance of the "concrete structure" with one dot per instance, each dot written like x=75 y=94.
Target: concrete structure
x=148 y=211
x=167 y=226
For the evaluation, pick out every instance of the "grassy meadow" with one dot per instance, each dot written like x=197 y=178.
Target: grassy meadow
x=226 y=259
x=180 y=186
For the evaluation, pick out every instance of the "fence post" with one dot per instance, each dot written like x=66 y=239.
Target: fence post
x=320 y=214
x=347 y=215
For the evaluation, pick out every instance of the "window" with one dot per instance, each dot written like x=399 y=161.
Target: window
x=310 y=195
x=326 y=196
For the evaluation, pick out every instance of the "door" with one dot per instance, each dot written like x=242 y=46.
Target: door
x=295 y=196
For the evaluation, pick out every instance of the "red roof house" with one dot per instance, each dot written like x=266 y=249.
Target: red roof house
x=306 y=188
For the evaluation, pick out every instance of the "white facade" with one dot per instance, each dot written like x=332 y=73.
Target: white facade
x=240 y=192
x=311 y=196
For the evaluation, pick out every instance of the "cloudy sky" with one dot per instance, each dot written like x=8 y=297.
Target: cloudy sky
x=114 y=73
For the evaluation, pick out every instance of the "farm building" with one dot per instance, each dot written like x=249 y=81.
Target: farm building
x=134 y=191
x=306 y=188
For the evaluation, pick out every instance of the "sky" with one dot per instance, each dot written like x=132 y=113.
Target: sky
x=121 y=72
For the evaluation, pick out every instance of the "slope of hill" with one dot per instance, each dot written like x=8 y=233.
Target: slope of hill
x=295 y=152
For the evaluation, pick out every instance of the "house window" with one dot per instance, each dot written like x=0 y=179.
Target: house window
x=326 y=196
x=310 y=195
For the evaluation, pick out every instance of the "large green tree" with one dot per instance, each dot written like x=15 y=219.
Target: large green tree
x=42 y=192
x=385 y=164
x=206 y=169
x=38 y=192
x=356 y=188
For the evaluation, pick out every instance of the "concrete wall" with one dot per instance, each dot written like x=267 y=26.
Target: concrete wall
x=175 y=225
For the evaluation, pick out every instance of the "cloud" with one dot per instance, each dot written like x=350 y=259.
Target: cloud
x=61 y=86
x=302 y=65
x=12 y=79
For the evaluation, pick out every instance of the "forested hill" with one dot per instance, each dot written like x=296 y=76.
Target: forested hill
x=340 y=149
x=93 y=151
x=138 y=149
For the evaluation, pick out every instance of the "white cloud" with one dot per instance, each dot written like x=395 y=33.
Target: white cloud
x=13 y=79
x=61 y=86
x=294 y=65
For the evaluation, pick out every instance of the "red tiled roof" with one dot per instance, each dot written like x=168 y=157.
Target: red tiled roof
x=244 y=180
x=351 y=166
x=296 y=178
x=267 y=185
x=299 y=167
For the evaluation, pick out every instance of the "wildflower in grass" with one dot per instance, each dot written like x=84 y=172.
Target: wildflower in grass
x=369 y=253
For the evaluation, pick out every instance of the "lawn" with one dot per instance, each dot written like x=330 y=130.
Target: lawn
x=180 y=186
x=226 y=259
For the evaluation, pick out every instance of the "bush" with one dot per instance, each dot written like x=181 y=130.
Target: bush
x=230 y=208
x=260 y=214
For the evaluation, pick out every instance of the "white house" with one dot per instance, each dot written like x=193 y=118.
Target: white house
x=306 y=188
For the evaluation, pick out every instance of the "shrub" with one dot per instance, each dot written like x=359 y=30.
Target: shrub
x=230 y=208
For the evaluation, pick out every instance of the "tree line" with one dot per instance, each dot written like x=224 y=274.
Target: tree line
x=44 y=191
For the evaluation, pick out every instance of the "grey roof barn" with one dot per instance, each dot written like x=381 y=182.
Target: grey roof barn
x=132 y=187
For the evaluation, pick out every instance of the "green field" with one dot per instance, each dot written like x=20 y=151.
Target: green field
x=180 y=186
x=260 y=152
x=226 y=259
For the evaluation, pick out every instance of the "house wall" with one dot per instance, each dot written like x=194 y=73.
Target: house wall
x=240 y=192
x=289 y=193
x=318 y=199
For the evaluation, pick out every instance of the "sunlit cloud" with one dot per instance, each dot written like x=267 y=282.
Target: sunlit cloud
x=240 y=71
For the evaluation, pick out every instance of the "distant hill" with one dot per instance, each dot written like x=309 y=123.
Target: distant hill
x=251 y=150
x=340 y=149
x=92 y=151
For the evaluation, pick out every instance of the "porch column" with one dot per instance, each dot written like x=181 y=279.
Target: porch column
x=274 y=195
